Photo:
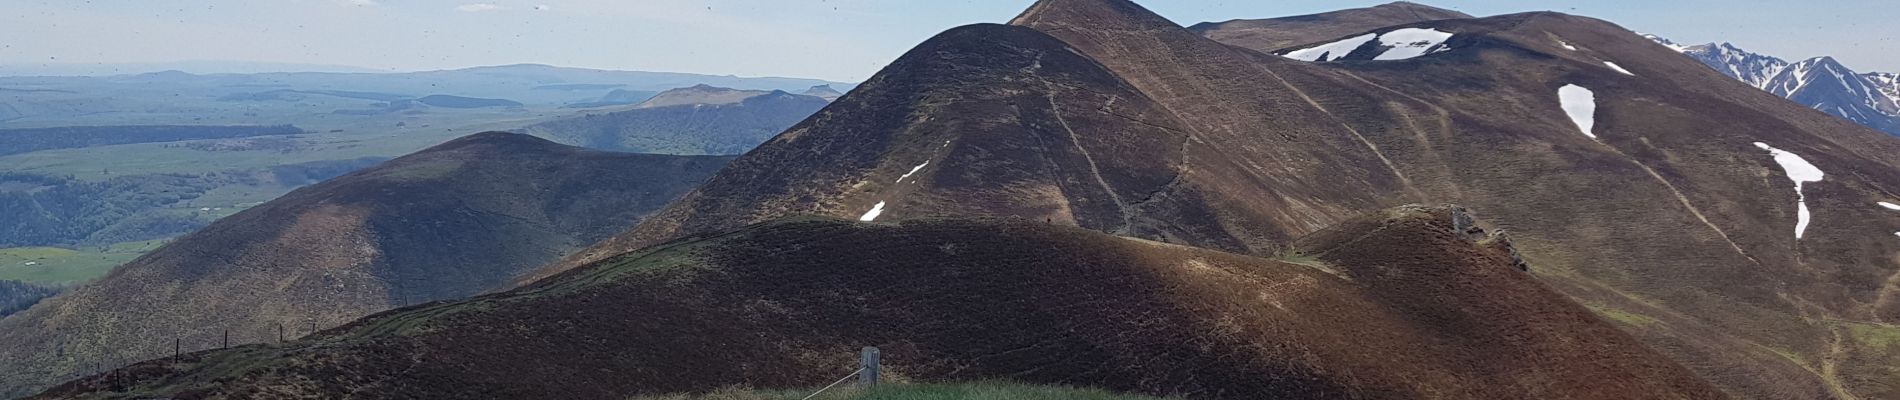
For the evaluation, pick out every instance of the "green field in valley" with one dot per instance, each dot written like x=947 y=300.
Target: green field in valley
x=55 y=266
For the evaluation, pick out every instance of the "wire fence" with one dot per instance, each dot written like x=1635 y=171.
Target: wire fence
x=105 y=358
x=834 y=384
x=869 y=366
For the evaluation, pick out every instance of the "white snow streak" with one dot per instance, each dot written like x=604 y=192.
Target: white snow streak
x=1801 y=172
x=913 y=171
x=1400 y=44
x=1331 y=51
x=1581 y=105
x=1618 y=68
x=1890 y=206
x=1411 y=43
x=1566 y=45
x=872 y=215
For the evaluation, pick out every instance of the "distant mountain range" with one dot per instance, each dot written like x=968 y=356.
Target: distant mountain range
x=699 y=120
x=177 y=97
x=196 y=67
x=96 y=161
x=1821 y=83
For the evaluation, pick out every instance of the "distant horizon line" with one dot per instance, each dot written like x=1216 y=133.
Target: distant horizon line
x=262 y=67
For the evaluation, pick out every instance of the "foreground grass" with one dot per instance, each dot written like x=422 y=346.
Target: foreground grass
x=967 y=391
x=52 y=266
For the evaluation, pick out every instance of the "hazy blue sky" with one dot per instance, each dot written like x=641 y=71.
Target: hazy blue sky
x=831 y=39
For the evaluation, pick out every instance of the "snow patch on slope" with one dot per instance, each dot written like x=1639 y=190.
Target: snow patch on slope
x=913 y=171
x=1801 y=172
x=872 y=215
x=1618 y=68
x=1401 y=44
x=1891 y=206
x=1566 y=45
x=1411 y=43
x=1331 y=51
x=1581 y=105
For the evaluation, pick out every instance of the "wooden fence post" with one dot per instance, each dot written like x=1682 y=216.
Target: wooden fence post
x=868 y=360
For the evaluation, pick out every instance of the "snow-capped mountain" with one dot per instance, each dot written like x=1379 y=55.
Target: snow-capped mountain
x=1755 y=69
x=1887 y=83
x=1826 y=85
x=1820 y=83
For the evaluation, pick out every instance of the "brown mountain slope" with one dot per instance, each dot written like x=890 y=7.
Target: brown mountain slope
x=1006 y=120
x=1480 y=124
x=1431 y=311
x=1672 y=217
x=694 y=121
x=1267 y=35
x=1111 y=118
x=447 y=222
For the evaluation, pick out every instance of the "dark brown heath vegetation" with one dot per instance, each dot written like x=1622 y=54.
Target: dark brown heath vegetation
x=451 y=221
x=696 y=120
x=1099 y=114
x=1403 y=303
x=1266 y=35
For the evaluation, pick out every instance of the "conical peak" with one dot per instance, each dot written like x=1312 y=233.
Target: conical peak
x=1095 y=13
x=1817 y=63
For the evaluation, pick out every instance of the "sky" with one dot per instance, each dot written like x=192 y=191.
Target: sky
x=841 y=40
